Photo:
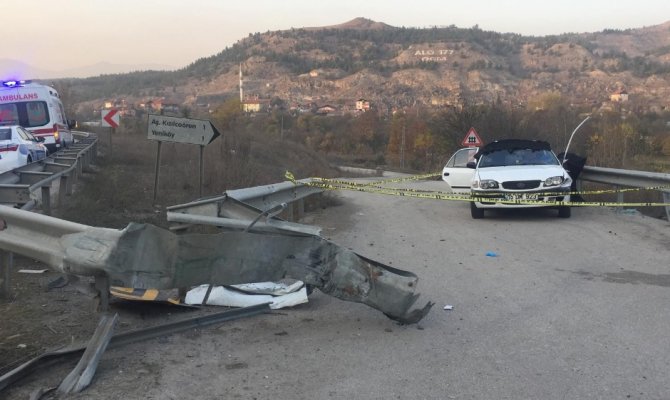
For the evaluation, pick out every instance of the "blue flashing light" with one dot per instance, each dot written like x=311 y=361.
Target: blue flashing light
x=14 y=83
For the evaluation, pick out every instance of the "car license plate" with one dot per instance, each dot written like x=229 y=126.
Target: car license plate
x=520 y=196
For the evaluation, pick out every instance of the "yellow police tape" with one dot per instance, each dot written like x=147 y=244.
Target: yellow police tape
x=376 y=187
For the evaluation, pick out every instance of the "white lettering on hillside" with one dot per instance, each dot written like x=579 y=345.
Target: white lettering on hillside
x=434 y=55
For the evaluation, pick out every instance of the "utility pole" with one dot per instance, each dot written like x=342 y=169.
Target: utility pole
x=402 y=145
x=241 y=89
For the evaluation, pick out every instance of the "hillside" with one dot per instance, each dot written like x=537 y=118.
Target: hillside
x=395 y=67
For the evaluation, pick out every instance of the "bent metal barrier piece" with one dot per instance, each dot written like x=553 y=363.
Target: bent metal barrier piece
x=145 y=256
x=121 y=339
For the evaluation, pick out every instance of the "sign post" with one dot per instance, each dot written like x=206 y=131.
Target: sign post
x=472 y=139
x=111 y=120
x=180 y=130
x=158 y=170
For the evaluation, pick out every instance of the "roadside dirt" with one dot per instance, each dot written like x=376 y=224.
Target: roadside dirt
x=36 y=319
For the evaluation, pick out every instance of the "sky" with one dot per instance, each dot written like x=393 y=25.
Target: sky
x=63 y=34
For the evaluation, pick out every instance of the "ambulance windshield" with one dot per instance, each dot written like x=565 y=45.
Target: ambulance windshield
x=26 y=113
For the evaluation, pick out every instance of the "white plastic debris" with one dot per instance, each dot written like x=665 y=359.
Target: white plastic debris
x=273 y=288
x=287 y=294
x=32 y=271
x=448 y=307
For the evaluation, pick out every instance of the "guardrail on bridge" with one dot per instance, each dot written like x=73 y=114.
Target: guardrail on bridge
x=20 y=186
x=628 y=178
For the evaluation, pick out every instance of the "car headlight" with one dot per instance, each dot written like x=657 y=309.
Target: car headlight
x=485 y=184
x=553 y=181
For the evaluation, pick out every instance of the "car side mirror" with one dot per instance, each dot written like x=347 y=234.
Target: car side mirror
x=471 y=165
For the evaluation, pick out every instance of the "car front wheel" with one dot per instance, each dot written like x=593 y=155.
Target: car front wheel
x=564 y=212
x=476 y=213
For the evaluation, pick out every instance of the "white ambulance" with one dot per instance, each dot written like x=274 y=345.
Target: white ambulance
x=37 y=108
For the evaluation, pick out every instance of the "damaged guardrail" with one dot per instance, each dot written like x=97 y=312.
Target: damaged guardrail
x=241 y=209
x=145 y=256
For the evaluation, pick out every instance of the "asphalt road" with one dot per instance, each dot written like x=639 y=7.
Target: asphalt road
x=567 y=309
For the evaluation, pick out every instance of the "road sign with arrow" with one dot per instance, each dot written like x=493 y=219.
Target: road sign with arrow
x=181 y=130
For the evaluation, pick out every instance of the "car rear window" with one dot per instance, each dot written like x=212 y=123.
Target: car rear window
x=5 y=134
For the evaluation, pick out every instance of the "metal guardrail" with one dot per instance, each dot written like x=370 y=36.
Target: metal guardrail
x=19 y=186
x=628 y=178
x=240 y=208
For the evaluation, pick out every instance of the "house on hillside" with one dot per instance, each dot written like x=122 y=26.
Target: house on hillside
x=251 y=106
x=619 y=96
x=362 y=105
x=170 y=106
x=116 y=103
x=153 y=105
x=326 y=110
x=254 y=104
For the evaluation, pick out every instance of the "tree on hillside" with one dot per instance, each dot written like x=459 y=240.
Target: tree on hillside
x=411 y=143
x=549 y=117
x=614 y=142
x=228 y=114
x=369 y=130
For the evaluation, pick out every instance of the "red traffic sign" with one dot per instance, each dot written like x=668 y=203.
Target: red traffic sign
x=472 y=139
x=110 y=118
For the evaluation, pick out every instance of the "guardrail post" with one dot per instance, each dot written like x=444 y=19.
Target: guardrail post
x=666 y=199
x=290 y=212
x=300 y=209
x=7 y=261
x=46 y=199
x=80 y=166
x=84 y=160
x=91 y=156
x=102 y=286
x=62 y=190
x=72 y=181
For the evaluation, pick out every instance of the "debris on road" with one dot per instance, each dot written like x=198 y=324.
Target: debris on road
x=279 y=296
x=80 y=377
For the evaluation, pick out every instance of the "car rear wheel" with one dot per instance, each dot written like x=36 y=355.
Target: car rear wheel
x=476 y=213
x=564 y=212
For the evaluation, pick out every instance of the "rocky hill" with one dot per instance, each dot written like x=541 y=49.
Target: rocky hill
x=397 y=67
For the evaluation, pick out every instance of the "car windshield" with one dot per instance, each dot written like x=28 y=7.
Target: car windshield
x=503 y=158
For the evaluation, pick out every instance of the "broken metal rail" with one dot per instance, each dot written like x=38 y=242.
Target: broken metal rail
x=147 y=257
x=241 y=209
x=121 y=339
